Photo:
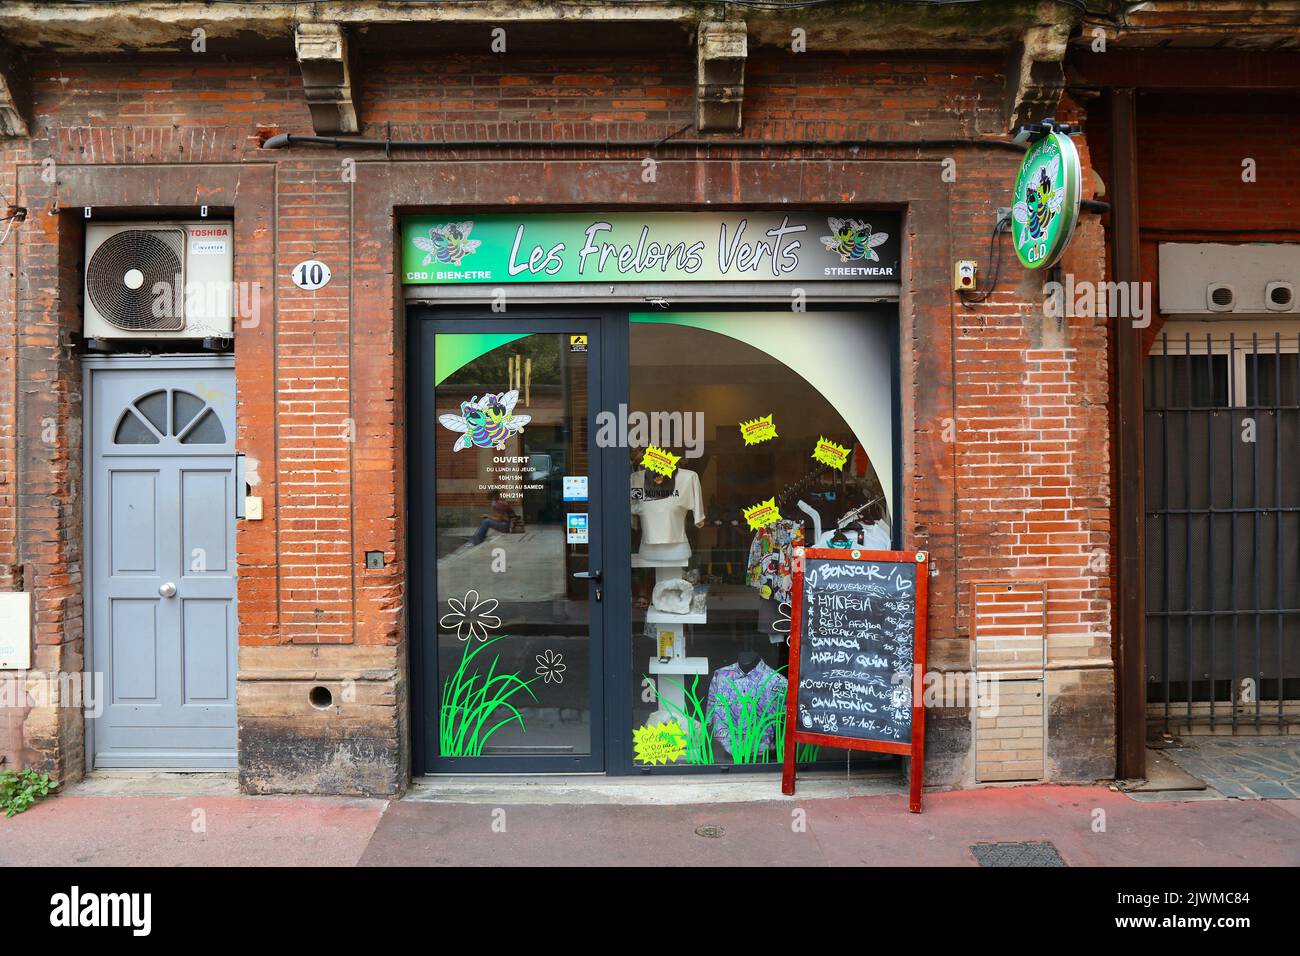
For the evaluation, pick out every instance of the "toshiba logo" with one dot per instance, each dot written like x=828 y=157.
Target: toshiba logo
x=209 y=232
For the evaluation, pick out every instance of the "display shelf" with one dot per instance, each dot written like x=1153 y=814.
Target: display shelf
x=682 y=665
x=655 y=616
x=673 y=691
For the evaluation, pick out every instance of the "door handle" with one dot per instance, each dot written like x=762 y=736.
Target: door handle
x=593 y=576
x=167 y=590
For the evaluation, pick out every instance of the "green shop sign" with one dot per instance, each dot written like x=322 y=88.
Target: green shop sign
x=649 y=247
x=1046 y=197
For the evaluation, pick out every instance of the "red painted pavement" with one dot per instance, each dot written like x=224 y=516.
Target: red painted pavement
x=872 y=831
x=189 y=831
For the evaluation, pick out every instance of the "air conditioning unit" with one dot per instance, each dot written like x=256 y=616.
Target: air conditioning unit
x=159 y=280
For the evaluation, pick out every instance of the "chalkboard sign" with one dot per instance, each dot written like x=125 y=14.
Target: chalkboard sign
x=857 y=655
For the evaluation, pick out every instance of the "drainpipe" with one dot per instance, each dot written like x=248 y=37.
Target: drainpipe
x=1128 y=571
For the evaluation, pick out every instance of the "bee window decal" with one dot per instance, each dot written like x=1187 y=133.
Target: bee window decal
x=486 y=422
x=448 y=243
x=852 y=239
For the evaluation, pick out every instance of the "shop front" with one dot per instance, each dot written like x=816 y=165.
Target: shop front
x=578 y=252
x=621 y=426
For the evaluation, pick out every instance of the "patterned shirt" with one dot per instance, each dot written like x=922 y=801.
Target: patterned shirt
x=729 y=685
x=771 y=559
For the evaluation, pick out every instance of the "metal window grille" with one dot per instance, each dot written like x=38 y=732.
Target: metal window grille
x=1222 y=414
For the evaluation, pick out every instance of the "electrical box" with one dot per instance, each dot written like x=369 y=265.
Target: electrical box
x=963 y=276
x=15 y=630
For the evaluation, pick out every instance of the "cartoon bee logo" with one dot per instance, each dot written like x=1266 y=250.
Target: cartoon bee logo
x=486 y=422
x=853 y=239
x=448 y=243
x=1041 y=203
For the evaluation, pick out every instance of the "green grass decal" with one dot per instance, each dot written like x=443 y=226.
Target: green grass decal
x=803 y=753
x=468 y=705
x=745 y=733
x=747 y=729
x=694 y=721
x=807 y=753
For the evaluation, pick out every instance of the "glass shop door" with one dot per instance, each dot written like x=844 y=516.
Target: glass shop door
x=505 y=494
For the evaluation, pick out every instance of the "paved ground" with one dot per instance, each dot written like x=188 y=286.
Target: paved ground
x=1250 y=768
x=72 y=830
x=112 y=825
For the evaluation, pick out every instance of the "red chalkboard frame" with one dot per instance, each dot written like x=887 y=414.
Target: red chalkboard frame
x=794 y=736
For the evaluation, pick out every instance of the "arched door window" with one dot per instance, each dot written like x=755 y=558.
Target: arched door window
x=169 y=415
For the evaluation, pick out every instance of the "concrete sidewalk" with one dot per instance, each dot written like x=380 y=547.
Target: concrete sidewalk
x=212 y=826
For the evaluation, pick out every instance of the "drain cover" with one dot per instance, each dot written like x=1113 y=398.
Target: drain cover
x=710 y=830
x=1016 y=854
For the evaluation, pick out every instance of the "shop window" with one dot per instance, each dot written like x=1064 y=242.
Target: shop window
x=740 y=404
x=774 y=430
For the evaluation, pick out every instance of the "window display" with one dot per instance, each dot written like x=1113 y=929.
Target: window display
x=745 y=436
x=659 y=508
x=790 y=414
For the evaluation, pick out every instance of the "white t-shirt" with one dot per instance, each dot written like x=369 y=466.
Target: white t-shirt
x=663 y=520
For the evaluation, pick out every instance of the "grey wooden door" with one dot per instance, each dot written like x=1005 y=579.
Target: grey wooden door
x=162 y=564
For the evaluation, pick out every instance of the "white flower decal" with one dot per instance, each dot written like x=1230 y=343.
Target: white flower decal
x=471 y=617
x=782 y=623
x=551 y=666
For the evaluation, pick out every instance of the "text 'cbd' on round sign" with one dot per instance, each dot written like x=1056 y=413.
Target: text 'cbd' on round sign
x=1046 y=201
x=311 y=274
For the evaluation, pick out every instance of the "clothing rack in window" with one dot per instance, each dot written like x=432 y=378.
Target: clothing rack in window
x=856 y=514
x=794 y=490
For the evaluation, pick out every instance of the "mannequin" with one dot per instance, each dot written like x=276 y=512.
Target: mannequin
x=657 y=486
x=659 y=508
x=741 y=691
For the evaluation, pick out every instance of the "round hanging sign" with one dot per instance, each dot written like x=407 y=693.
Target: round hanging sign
x=1046 y=200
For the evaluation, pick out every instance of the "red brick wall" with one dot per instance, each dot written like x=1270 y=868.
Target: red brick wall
x=1019 y=494
x=313 y=423
x=1033 y=420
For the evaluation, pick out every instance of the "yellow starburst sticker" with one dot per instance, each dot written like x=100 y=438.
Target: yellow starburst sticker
x=758 y=429
x=659 y=743
x=829 y=453
x=762 y=514
x=660 y=461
